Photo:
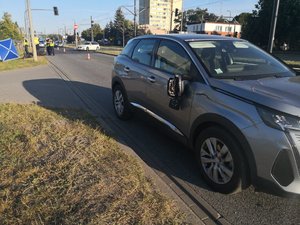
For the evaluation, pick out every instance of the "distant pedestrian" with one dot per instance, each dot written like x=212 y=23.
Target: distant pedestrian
x=36 y=43
x=26 y=51
x=52 y=47
x=48 y=46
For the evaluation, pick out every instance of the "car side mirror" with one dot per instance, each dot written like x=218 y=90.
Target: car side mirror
x=175 y=90
x=175 y=86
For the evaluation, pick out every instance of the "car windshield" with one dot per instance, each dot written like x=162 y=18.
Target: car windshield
x=87 y=43
x=237 y=59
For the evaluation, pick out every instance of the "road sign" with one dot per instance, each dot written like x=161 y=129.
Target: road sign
x=75 y=26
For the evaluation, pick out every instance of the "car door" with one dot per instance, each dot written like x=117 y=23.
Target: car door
x=170 y=59
x=137 y=71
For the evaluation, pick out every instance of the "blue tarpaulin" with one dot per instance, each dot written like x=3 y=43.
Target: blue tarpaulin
x=8 y=50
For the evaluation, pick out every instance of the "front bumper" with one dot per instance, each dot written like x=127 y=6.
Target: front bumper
x=277 y=156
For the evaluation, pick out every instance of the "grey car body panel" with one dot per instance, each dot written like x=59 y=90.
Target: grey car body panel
x=277 y=93
x=228 y=103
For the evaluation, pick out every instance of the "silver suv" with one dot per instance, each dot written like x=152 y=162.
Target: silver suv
x=234 y=104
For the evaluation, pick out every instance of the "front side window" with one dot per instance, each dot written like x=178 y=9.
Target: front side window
x=143 y=51
x=172 y=58
x=128 y=49
x=237 y=59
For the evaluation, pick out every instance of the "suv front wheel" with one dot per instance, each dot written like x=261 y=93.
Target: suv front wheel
x=121 y=104
x=221 y=163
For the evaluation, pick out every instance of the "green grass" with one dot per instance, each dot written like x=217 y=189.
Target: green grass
x=109 y=51
x=22 y=63
x=292 y=63
x=57 y=167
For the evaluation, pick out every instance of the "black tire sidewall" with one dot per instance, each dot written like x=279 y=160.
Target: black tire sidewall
x=238 y=180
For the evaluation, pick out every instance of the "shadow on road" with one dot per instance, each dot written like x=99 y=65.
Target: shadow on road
x=147 y=137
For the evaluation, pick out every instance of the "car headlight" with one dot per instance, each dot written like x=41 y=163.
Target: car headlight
x=279 y=120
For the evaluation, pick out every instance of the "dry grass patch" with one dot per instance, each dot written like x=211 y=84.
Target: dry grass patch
x=57 y=167
x=22 y=63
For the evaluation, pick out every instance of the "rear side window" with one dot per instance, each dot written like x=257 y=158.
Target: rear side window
x=129 y=48
x=143 y=51
x=172 y=58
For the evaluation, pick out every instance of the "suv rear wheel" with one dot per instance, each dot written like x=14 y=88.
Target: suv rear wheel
x=121 y=103
x=221 y=163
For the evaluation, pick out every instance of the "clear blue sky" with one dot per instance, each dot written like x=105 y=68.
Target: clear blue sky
x=102 y=11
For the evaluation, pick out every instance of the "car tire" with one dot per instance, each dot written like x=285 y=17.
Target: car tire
x=121 y=104
x=221 y=162
x=97 y=49
x=87 y=48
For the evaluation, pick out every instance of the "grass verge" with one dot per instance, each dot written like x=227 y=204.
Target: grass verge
x=22 y=63
x=109 y=51
x=57 y=167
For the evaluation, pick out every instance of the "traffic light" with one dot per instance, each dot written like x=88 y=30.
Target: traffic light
x=92 y=22
x=176 y=12
x=55 y=10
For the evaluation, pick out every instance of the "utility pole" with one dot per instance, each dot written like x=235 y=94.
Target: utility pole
x=182 y=12
x=92 y=33
x=134 y=17
x=171 y=17
x=28 y=8
x=273 y=25
x=76 y=39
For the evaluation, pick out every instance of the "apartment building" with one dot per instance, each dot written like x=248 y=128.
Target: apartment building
x=158 y=15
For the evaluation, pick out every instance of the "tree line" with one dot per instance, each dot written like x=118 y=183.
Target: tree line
x=255 y=25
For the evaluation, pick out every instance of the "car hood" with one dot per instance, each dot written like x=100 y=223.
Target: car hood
x=282 y=94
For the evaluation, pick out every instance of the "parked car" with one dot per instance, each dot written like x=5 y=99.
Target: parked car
x=58 y=44
x=89 y=46
x=235 y=105
x=104 y=42
x=41 y=43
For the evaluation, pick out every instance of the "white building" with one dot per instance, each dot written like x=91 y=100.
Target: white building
x=158 y=15
x=224 y=29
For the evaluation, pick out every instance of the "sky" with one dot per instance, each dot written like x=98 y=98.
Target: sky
x=102 y=11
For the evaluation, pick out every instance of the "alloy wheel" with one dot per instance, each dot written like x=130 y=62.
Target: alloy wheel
x=119 y=102
x=216 y=160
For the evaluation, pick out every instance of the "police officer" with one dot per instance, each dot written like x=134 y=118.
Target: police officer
x=48 y=46
x=51 y=47
x=26 y=53
x=36 y=43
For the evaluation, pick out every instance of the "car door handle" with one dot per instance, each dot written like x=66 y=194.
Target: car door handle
x=151 y=79
x=126 y=69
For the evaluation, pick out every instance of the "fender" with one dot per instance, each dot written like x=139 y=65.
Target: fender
x=116 y=80
x=211 y=119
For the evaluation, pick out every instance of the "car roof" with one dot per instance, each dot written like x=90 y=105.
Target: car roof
x=189 y=37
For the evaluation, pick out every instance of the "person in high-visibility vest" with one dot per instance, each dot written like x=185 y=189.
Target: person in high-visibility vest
x=25 y=43
x=52 y=46
x=48 y=46
x=36 y=42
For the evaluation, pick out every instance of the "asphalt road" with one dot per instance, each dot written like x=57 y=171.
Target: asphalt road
x=91 y=80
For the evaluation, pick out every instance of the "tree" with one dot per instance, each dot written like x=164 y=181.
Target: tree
x=200 y=15
x=242 y=18
x=181 y=16
x=9 y=29
x=257 y=26
x=193 y=16
x=71 y=38
x=97 y=32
